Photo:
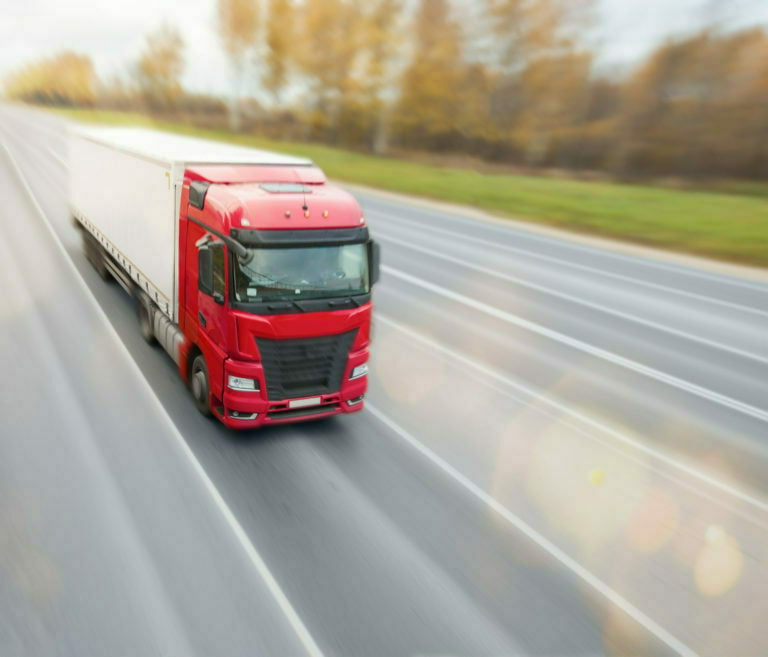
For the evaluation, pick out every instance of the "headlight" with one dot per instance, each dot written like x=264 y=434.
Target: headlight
x=241 y=383
x=360 y=370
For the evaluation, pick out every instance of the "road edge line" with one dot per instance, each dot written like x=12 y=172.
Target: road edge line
x=257 y=561
x=528 y=253
x=686 y=263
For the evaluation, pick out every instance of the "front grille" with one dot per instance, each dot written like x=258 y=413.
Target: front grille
x=305 y=366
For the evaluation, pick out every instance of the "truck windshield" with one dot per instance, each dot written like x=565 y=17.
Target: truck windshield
x=318 y=272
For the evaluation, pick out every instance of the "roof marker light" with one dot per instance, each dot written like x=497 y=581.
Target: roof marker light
x=306 y=214
x=325 y=214
x=288 y=214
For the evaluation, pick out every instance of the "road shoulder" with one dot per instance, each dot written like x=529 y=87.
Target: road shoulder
x=604 y=243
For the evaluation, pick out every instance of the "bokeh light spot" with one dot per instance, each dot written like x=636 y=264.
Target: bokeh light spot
x=719 y=564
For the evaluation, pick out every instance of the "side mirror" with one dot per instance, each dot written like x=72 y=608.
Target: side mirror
x=374 y=251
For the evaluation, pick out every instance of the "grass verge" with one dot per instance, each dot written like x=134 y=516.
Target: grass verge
x=724 y=225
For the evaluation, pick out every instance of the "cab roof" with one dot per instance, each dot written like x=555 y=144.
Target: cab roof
x=269 y=206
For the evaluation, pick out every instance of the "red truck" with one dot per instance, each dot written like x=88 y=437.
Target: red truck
x=251 y=271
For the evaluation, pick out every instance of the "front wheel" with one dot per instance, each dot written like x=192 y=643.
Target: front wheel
x=198 y=385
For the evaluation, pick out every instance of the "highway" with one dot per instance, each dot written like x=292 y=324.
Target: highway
x=564 y=454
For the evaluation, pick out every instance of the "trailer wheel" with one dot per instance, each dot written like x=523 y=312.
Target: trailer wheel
x=198 y=385
x=95 y=255
x=145 y=323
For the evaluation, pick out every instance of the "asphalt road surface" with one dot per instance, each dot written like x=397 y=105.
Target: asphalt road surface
x=564 y=454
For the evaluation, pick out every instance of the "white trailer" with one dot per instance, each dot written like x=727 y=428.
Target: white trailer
x=125 y=190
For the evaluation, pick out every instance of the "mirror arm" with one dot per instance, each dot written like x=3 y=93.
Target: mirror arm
x=238 y=249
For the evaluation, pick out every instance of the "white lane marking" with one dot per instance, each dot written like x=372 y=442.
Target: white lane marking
x=250 y=550
x=640 y=260
x=610 y=357
x=539 y=539
x=456 y=356
x=118 y=523
x=58 y=157
x=593 y=270
x=574 y=299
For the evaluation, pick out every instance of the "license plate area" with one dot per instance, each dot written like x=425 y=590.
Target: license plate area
x=303 y=403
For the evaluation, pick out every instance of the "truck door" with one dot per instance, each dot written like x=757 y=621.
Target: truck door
x=212 y=292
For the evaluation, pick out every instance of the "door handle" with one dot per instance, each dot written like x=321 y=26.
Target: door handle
x=201 y=317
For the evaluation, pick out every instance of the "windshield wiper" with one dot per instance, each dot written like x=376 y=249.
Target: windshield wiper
x=343 y=301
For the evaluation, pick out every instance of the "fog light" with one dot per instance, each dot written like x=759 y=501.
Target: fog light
x=241 y=383
x=355 y=401
x=237 y=415
x=360 y=370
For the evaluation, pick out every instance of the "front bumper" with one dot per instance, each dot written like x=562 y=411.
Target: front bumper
x=237 y=407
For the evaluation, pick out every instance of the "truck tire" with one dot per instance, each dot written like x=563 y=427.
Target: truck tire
x=145 y=323
x=198 y=385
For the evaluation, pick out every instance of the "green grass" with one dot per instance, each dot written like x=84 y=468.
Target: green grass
x=729 y=225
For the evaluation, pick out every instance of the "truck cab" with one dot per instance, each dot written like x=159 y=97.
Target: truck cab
x=276 y=302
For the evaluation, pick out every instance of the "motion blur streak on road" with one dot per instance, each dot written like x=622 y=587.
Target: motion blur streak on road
x=643 y=505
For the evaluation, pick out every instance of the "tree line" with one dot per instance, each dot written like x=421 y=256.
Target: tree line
x=506 y=81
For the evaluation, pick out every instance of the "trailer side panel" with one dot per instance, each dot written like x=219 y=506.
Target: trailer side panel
x=129 y=204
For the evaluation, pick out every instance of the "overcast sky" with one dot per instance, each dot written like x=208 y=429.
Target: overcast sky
x=111 y=31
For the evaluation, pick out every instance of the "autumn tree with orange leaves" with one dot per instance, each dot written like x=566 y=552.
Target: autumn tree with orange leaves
x=66 y=78
x=508 y=81
x=238 y=24
x=159 y=68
